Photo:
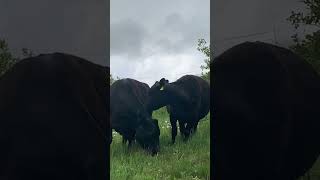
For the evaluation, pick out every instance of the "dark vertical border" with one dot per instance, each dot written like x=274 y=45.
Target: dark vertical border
x=108 y=79
x=56 y=19
x=212 y=138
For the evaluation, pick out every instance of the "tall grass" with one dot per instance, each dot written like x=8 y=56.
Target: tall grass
x=190 y=160
x=314 y=172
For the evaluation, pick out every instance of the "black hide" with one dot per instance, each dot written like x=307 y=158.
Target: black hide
x=187 y=101
x=53 y=119
x=265 y=113
x=129 y=117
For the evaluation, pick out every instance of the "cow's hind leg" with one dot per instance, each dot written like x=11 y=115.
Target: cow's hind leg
x=190 y=129
x=124 y=140
x=130 y=143
x=173 y=122
x=187 y=132
x=192 y=125
x=195 y=126
x=182 y=126
x=131 y=138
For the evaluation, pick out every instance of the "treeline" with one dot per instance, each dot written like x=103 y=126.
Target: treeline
x=308 y=46
x=7 y=59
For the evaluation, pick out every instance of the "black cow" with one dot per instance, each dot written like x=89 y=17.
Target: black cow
x=53 y=115
x=266 y=116
x=129 y=116
x=187 y=101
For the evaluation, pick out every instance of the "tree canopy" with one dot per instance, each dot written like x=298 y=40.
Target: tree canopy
x=205 y=49
x=309 y=46
x=7 y=60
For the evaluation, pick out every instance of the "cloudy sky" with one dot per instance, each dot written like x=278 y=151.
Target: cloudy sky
x=236 y=21
x=73 y=26
x=155 y=39
x=149 y=39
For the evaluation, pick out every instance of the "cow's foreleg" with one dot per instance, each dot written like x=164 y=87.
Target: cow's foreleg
x=182 y=126
x=173 y=122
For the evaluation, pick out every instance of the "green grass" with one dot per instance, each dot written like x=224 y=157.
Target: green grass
x=314 y=173
x=190 y=160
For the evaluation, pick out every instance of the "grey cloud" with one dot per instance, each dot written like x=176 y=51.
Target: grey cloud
x=166 y=29
x=175 y=22
x=170 y=31
x=127 y=38
x=76 y=27
x=182 y=34
x=234 y=18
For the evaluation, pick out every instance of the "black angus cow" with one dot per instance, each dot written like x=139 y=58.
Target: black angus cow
x=129 y=116
x=53 y=119
x=266 y=116
x=187 y=101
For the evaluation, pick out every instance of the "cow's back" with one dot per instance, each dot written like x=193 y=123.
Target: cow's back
x=198 y=90
x=264 y=102
x=53 y=119
x=127 y=99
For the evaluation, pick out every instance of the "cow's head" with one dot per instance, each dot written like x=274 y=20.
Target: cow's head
x=147 y=135
x=163 y=81
x=156 y=94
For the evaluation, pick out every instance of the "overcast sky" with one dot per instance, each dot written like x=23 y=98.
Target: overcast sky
x=155 y=39
x=149 y=39
x=77 y=27
x=233 y=19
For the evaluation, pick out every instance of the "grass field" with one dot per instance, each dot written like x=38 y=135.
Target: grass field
x=190 y=160
x=314 y=173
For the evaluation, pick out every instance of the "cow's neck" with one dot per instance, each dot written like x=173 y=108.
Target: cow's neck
x=169 y=97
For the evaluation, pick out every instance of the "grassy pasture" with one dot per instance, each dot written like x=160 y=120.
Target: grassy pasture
x=187 y=161
x=314 y=173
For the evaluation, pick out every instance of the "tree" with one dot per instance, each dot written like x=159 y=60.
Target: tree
x=205 y=49
x=6 y=58
x=112 y=80
x=309 y=46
